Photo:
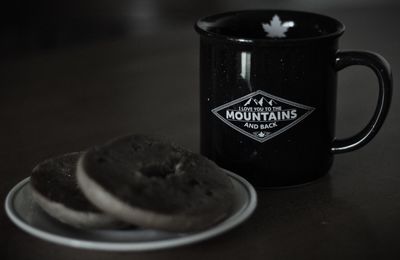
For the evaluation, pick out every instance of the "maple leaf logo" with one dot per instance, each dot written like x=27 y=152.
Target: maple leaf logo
x=275 y=28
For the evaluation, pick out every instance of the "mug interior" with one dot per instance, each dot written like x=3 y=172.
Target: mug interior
x=269 y=25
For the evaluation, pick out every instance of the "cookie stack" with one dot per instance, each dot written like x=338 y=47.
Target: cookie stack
x=134 y=180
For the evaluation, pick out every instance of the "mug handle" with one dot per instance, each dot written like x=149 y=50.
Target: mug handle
x=382 y=70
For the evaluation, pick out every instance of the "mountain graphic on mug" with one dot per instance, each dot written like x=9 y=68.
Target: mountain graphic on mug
x=260 y=102
x=260 y=115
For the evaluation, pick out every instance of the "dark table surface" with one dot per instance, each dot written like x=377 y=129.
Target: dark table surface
x=76 y=74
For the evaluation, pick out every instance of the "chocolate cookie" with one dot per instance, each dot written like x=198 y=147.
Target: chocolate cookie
x=155 y=184
x=55 y=189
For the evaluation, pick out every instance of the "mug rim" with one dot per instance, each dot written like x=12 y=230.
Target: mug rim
x=200 y=27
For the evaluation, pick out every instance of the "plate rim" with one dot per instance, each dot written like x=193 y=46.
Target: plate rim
x=224 y=226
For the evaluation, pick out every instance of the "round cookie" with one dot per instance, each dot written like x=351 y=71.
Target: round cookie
x=55 y=189
x=155 y=184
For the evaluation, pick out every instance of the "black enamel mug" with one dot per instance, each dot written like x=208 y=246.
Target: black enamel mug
x=268 y=94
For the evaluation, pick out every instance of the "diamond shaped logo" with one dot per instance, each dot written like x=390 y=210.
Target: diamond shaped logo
x=262 y=116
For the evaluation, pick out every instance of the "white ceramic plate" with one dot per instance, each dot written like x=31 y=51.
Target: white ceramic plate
x=27 y=215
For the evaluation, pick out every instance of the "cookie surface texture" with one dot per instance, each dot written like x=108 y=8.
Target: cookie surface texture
x=55 y=189
x=155 y=184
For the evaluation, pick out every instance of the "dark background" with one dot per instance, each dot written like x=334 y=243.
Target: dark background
x=76 y=73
